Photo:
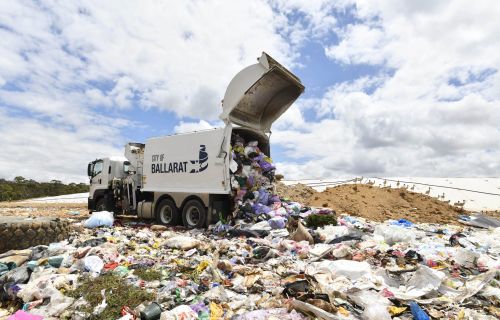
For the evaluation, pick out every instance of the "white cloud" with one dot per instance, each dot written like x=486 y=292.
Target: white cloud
x=306 y=18
x=63 y=66
x=46 y=151
x=434 y=107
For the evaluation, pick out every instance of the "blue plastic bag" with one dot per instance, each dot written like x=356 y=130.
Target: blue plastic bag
x=403 y=223
x=263 y=196
x=260 y=209
x=417 y=312
x=277 y=222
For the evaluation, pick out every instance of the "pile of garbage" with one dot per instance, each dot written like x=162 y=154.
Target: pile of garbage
x=254 y=194
x=272 y=258
x=350 y=268
x=252 y=177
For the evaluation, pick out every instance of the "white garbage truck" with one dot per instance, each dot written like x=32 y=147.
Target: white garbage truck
x=185 y=178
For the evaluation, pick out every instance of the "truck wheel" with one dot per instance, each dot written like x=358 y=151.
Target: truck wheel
x=167 y=213
x=194 y=214
x=100 y=205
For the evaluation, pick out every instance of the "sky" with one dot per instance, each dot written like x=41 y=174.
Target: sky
x=393 y=88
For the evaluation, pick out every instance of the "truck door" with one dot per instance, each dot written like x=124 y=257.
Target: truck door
x=99 y=172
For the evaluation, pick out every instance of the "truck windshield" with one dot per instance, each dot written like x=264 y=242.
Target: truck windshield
x=97 y=168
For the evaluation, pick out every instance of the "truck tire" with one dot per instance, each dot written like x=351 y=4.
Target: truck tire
x=166 y=213
x=21 y=233
x=194 y=214
x=100 y=205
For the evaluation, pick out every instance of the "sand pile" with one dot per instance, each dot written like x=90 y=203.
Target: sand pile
x=298 y=192
x=374 y=203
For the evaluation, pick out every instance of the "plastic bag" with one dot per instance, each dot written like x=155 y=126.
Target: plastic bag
x=99 y=219
x=252 y=147
x=93 y=264
x=417 y=312
x=182 y=242
x=260 y=209
x=393 y=234
x=266 y=166
x=180 y=312
x=16 y=275
x=101 y=306
x=233 y=166
x=402 y=223
x=263 y=197
x=22 y=315
x=376 y=311
x=263 y=225
x=277 y=222
x=374 y=304
x=422 y=282
x=348 y=268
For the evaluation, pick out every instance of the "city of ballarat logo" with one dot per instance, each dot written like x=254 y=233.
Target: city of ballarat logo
x=202 y=162
x=193 y=166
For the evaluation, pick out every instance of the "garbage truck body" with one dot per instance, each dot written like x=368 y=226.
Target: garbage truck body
x=185 y=178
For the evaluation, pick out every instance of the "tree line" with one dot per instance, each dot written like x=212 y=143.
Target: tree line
x=21 y=188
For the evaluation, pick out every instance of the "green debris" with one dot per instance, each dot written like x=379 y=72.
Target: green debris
x=320 y=220
x=118 y=294
x=148 y=274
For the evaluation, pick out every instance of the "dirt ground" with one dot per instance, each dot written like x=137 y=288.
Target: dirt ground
x=27 y=209
x=371 y=202
x=375 y=203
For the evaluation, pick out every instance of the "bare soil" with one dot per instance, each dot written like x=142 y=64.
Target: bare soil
x=30 y=209
x=375 y=203
x=370 y=202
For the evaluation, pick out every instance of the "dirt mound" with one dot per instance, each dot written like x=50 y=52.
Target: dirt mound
x=298 y=192
x=377 y=204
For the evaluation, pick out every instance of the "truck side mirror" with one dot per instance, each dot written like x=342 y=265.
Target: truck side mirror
x=89 y=169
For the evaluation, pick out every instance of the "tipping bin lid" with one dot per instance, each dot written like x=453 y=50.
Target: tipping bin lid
x=259 y=94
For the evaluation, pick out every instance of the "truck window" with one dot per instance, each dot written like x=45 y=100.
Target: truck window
x=126 y=166
x=97 y=168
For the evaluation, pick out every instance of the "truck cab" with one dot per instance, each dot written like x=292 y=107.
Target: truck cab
x=101 y=173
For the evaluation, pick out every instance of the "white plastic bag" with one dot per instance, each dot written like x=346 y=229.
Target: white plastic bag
x=179 y=312
x=100 y=219
x=348 y=268
x=422 y=282
x=329 y=232
x=394 y=234
x=182 y=242
x=251 y=147
x=93 y=264
x=262 y=225
x=374 y=304
x=233 y=166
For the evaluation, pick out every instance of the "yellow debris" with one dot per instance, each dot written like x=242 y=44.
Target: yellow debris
x=394 y=311
x=216 y=311
x=202 y=266
x=461 y=314
x=343 y=311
